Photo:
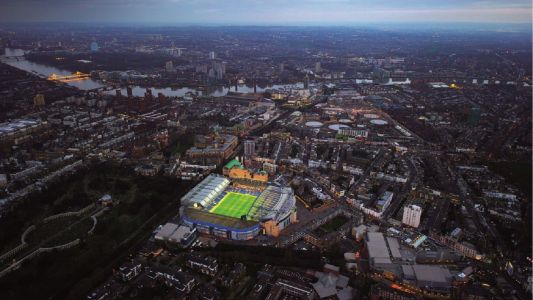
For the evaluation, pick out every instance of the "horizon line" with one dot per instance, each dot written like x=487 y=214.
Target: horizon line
x=275 y=24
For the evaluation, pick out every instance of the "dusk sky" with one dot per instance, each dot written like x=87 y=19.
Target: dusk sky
x=268 y=11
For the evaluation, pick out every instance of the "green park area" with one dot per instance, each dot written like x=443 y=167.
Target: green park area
x=142 y=204
x=331 y=225
x=516 y=173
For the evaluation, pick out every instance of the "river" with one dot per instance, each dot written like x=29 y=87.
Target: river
x=15 y=58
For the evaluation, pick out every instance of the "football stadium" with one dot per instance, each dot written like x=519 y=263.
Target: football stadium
x=238 y=208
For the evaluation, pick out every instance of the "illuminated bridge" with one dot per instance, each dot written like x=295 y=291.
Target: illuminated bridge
x=66 y=78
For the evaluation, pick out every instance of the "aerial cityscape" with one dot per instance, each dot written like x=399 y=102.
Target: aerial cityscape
x=265 y=150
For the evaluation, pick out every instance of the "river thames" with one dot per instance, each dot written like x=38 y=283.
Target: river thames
x=15 y=58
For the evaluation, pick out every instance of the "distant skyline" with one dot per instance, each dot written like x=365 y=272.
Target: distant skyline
x=268 y=12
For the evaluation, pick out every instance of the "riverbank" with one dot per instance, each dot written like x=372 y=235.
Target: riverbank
x=16 y=58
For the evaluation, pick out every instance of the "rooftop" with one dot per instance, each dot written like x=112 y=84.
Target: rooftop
x=182 y=232
x=166 y=231
x=233 y=163
x=377 y=247
x=431 y=273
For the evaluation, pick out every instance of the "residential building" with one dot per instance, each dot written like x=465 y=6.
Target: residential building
x=411 y=215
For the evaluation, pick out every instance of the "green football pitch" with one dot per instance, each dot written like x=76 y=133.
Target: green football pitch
x=234 y=205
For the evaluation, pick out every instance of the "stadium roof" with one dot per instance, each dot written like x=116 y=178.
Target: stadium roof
x=273 y=202
x=209 y=219
x=205 y=191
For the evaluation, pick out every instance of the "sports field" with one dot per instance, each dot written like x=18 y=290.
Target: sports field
x=234 y=205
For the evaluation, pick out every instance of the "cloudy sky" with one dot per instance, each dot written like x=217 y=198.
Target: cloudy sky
x=268 y=11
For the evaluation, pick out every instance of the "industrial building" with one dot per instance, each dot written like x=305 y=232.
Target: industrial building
x=400 y=265
x=428 y=277
x=381 y=252
x=182 y=236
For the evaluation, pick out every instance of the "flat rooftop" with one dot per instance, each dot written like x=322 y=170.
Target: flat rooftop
x=377 y=247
